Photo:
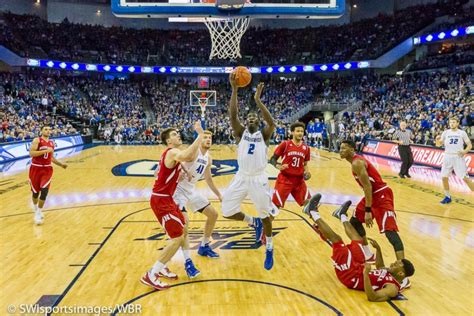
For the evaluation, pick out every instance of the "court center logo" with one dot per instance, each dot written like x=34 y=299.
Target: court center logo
x=147 y=168
x=224 y=237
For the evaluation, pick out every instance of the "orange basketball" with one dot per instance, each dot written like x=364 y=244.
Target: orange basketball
x=242 y=76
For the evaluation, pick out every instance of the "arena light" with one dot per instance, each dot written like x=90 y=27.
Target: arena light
x=91 y=67
x=323 y=67
x=147 y=70
x=107 y=68
x=335 y=67
x=63 y=65
x=269 y=70
x=75 y=66
x=50 y=64
x=348 y=66
x=162 y=70
x=455 y=33
x=441 y=35
x=119 y=68
x=293 y=69
x=33 y=62
x=131 y=69
x=281 y=69
x=173 y=69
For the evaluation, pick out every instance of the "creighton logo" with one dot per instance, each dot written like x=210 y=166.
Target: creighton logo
x=225 y=237
x=147 y=168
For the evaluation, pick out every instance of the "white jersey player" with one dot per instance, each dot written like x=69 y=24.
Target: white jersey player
x=454 y=140
x=251 y=179
x=187 y=197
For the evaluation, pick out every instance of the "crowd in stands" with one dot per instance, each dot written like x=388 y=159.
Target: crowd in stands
x=365 y=39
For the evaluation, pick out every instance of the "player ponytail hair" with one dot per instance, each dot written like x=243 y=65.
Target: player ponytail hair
x=295 y=125
x=408 y=268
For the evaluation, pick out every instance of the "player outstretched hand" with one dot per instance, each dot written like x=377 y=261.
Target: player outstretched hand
x=233 y=81
x=368 y=219
x=373 y=243
x=258 y=93
x=198 y=127
x=64 y=166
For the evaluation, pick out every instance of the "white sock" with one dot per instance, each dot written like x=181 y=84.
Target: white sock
x=35 y=207
x=269 y=242
x=315 y=215
x=186 y=254
x=344 y=218
x=157 y=268
x=248 y=219
x=367 y=252
x=446 y=193
x=205 y=241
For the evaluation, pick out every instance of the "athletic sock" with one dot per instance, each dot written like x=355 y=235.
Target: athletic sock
x=344 y=218
x=205 y=241
x=446 y=193
x=157 y=268
x=315 y=215
x=269 y=242
x=248 y=219
x=186 y=254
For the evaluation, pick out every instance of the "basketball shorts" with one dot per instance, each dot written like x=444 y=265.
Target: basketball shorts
x=169 y=215
x=40 y=177
x=383 y=210
x=456 y=163
x=348 y=261
x=256 y=187
x=318 y=135
x=284 y=186
x=191 y=201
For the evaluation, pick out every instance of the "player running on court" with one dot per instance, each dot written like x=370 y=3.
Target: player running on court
x=41 y=171
x=294 y=170
x=381 y=284
x=251 y=178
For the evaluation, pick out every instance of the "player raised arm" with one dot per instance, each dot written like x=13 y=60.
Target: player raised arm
x=378 y=256
x=34 y=152
x=384 y=294
x=270 y=128
x=237 y=127
x=210 y=181
x=360 y=169
x=189 y=154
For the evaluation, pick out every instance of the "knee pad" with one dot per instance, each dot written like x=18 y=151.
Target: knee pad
x=395 y=240
x=357 y=226
x=35 y=195
x=44 y=193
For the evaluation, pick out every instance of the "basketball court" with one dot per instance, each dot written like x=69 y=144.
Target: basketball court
x=100 y=236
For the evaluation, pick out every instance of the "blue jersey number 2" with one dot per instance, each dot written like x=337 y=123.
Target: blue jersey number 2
x=251 y=149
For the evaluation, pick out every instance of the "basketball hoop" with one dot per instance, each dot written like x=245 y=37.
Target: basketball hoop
x=203 y=99
x=227 y=32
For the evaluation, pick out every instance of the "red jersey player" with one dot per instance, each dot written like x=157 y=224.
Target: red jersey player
x=41 y=171
x=165 y=208
x=293 y=168
x=349 y=261
x=377 y=202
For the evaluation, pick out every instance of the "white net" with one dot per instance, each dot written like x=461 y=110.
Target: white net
x=226 y=35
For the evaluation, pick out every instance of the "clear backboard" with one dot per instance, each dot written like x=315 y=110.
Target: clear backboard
x=293 y=9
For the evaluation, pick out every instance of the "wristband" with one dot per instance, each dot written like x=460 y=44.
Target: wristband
x=368 y=209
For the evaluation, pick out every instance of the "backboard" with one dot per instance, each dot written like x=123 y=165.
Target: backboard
x=274 y=9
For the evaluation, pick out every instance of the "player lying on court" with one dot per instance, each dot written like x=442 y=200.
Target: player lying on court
x=165 y=208
x=381 y=284
x=189 y=199
x=251 y=179
x=41 y=170
x=377 y=203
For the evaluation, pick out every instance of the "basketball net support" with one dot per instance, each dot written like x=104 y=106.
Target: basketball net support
x=226 y=33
